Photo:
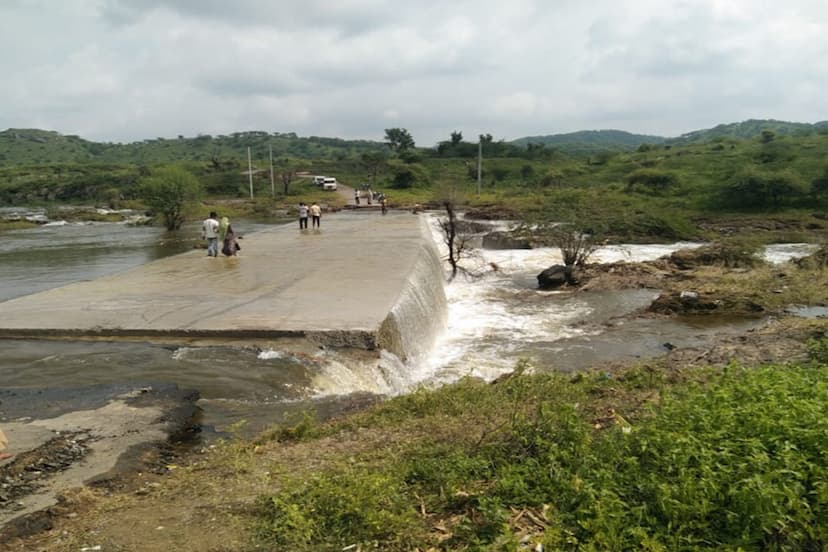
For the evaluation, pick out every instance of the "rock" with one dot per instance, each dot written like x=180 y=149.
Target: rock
x=689 y=296
x=504 y=240
x=472 y=227
x=553 y=277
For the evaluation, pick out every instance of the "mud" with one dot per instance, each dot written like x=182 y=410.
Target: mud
x=62 y=439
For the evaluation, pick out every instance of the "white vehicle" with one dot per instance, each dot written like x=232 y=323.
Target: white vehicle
x=329 y=183
x=318 y=180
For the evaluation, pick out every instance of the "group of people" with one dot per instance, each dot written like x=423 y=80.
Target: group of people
x=217 y=231
x=315 y=212
x=372 y=196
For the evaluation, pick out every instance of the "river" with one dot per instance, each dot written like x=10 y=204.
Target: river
x=494 y=321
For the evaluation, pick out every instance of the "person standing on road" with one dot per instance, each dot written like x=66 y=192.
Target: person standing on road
x=316 y=214
x=356 y=197
x=209 y=231
x=230 y=245
x=3 y=443
x=303 y=216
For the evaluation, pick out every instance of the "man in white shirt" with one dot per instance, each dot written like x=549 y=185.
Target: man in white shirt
x=316 y=214
x=303 y=216
x=209 y=231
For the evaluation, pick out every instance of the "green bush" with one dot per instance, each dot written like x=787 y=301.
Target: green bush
x=651 y=180
x=738 y=463
x=168 y=191
x=327 y=512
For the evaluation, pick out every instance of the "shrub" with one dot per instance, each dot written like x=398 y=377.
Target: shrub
x=652 y=180
x=737 y=463
x=167 y=191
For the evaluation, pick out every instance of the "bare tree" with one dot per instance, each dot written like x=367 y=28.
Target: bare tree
x=576 y=247
x=575 y=242
x=287 y=173
x=457 y=241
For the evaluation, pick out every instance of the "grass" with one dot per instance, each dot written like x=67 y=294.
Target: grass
x=16 y=225
x=641 y=460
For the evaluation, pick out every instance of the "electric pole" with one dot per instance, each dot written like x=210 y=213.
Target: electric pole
x=479 y=162
x=272 y=186
x=250 y=171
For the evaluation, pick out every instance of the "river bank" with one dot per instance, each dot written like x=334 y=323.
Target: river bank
x=604 y=326
x=211 y=497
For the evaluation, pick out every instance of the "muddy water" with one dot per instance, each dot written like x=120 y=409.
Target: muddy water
x=494 y=321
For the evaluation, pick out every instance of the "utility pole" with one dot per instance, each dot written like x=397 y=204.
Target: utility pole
x=250 y=172
x=479 y=162
x=272 y=186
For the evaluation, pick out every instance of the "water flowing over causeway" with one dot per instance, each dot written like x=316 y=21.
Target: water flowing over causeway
x=361 y=281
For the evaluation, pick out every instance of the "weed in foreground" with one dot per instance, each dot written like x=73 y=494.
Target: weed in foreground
x=736 y=462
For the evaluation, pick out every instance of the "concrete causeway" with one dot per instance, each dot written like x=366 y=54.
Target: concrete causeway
x=353 y=283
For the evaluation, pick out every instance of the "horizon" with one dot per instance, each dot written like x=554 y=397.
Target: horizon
x=381 y=140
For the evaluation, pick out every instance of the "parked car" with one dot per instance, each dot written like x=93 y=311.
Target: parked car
x=318 y=180
x=329 y=183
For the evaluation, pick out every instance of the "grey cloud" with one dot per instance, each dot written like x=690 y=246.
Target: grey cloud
x=131 y=69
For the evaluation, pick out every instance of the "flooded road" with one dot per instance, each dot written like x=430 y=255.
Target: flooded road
x=493 y=322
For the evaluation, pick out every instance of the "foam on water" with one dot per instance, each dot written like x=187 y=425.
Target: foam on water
x=779 y=253
x=495 y=319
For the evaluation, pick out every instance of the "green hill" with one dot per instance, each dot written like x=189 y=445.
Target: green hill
x=39 y=147
x=751 y=128
x=591 y=141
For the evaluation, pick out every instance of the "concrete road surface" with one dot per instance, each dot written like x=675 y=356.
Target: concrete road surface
x=340 y=280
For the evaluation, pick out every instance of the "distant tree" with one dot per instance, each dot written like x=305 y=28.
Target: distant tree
x=653 y=180
x=753 y=187
x=819 y=186
x=552 y=177
x=287 y=173
x=410 y=156
x=167 y=191
x=407 y=175
x=404 y=178
x=373 y=161
x=499 y=173
x=398 y=139
x=486 y=139
x=784 y=186
x=527 y=172
x=766 y=136
x=456 y=137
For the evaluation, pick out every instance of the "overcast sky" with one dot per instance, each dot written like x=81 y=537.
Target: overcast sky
x=125 y=70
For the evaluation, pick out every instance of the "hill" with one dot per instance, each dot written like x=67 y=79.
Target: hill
x=751 y=128
x=591 y=141
x=39 y=147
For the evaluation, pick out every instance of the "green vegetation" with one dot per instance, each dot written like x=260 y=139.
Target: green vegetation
x=592 y=141
x=640 y=460
x=168 y=191
x=655 y=191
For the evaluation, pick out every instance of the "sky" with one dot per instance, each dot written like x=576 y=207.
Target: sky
x=128 y=70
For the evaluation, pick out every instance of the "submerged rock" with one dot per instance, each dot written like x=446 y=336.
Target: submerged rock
x=553 y=277
x=504 y=240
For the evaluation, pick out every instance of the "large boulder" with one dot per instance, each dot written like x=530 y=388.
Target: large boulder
x=553 y=277
x=504 y=240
